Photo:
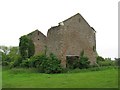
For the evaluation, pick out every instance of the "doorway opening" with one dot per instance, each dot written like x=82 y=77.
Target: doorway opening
x=70 y=60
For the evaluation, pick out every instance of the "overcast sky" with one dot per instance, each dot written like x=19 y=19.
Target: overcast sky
x=20 y=17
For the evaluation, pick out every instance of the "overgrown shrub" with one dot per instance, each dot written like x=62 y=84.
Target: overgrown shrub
x=84 y=63
x=81 y=62
x=6 y=59
x=51 y=64
x=10 y=57
x=45 y=64
x=105 y=62
x=17 y=61
x=36 y=61
x=5 y=63
x=25 y=63
x=99 y=58
x=117 y=61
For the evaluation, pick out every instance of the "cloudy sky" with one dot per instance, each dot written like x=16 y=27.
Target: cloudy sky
x=20 y=17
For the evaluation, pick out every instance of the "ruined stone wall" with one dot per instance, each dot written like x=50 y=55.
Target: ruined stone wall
x=80 y=36
x=70 y=38
x=39 y=41
x=55 y=43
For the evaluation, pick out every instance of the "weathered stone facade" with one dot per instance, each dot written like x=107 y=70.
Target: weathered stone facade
x=39 y=40
x=69 y=38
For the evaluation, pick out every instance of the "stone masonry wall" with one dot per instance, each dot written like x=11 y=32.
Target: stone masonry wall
x=39 y=41
x=70 y=38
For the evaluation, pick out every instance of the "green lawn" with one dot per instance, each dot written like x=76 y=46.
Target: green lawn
x=107 y=78
x=0 y=76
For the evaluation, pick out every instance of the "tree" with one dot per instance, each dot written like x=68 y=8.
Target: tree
x=117 y=61
x=4 y=49
x=26 y=47
x=14 y=50
x=100 y=58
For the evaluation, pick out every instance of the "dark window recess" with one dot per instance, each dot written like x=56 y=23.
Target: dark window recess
x=38 y=39
x=71 y=59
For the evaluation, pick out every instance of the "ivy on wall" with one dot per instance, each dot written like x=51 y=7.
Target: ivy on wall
x=26 y=47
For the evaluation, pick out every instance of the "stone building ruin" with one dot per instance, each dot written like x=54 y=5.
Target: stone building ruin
x=67 y=39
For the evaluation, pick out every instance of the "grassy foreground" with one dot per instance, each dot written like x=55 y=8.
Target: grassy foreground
x=107 y=78
x=0 y=76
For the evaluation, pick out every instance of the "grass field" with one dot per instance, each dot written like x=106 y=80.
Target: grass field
x=0 y=77
x=107 y=78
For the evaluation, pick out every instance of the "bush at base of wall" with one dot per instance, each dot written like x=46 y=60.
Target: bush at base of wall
x=51 y=65
x=44 y=63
